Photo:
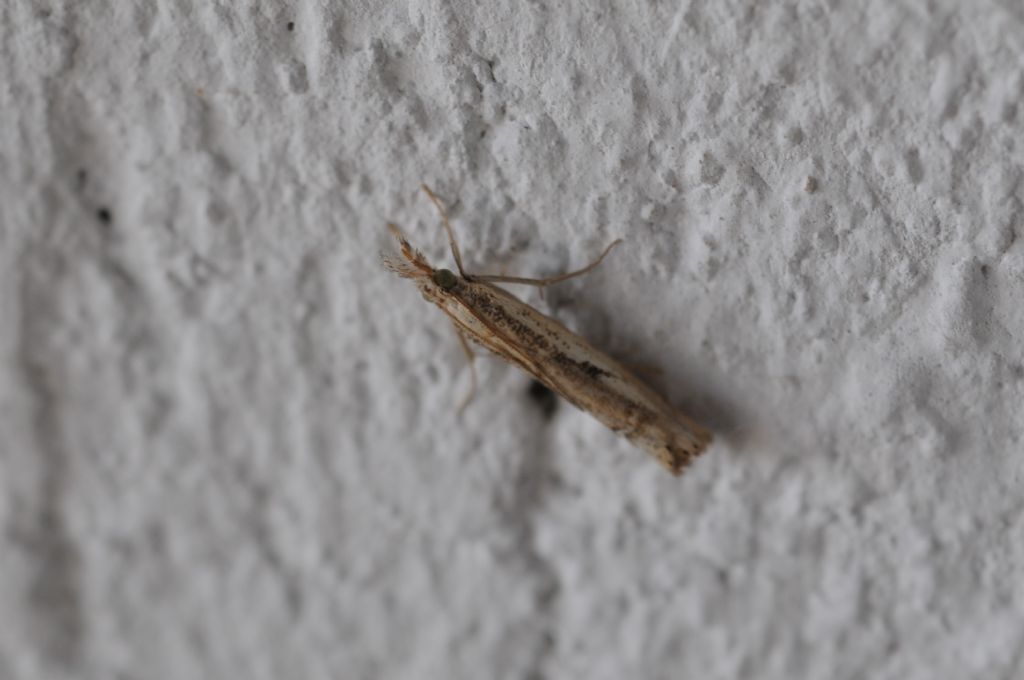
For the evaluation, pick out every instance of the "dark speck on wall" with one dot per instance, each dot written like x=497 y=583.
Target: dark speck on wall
x=544 y=398
x=104 y=215
x=291 y=25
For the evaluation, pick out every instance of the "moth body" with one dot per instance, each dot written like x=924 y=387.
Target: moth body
x=557 y=357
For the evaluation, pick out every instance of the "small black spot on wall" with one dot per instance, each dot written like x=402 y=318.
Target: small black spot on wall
x=545 y=399
x=104 y=215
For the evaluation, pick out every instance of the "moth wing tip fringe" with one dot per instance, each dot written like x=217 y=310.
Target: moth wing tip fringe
x=678 y=459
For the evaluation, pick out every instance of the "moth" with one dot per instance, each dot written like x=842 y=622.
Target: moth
x=555 y=356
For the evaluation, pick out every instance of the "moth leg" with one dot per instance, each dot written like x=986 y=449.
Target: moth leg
x=447 y=228
x=548 y=280
x=464 y=402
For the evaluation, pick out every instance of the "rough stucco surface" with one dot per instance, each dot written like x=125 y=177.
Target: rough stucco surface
x=229 y=443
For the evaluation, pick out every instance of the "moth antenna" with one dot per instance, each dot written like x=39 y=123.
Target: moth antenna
x=540 y=283
x=447 y=228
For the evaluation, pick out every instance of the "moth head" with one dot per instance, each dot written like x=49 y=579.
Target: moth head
x=434 y=284
x=438 y=285
x=444 y=279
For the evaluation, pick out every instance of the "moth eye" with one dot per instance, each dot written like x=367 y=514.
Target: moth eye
x=445 y=279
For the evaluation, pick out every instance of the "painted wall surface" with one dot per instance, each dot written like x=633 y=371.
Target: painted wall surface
x=229 y=446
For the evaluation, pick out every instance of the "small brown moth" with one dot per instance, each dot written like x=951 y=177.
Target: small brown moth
x=550 y=352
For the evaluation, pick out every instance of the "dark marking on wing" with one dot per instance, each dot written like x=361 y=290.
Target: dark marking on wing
x=583 y=368
x=484 y=305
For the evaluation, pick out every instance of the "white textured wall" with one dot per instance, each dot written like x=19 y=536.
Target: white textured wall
x=229 y=447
